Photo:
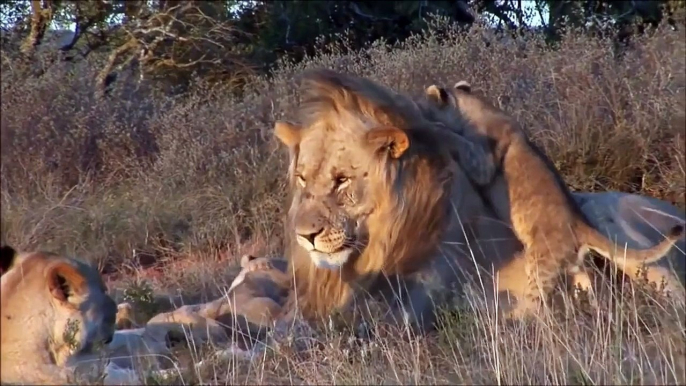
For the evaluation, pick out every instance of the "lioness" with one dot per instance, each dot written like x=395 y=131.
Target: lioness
x=545 y=218
x=53 y=309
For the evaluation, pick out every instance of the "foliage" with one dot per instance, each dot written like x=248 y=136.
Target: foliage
x=225 y=41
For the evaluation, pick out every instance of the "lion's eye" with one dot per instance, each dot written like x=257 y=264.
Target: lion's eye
x=342 y=182
x=301 y=180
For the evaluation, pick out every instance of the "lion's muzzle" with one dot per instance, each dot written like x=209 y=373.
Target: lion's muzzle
x=327 y=246
x=308 y=237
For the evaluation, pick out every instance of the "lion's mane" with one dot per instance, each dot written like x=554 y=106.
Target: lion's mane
x=414 y=201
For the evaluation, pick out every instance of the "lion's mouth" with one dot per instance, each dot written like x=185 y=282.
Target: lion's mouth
x=329 y=256
x=333 y=260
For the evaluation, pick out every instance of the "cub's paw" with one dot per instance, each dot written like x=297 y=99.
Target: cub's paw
x=251 y=263
x=125 y=319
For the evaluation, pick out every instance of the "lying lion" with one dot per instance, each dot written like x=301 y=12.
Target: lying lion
x=54 y=310
x=240 y=318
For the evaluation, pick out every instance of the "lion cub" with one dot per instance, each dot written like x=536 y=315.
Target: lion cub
x=255 y=297
x=534 y=198
x=260 y=289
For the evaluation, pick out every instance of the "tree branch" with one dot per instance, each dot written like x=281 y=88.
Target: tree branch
x=40 y=19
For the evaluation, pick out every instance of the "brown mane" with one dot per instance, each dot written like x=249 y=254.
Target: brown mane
x=326 y=93
x=414 y=195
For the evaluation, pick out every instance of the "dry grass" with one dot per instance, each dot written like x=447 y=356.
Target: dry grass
x=168 y=190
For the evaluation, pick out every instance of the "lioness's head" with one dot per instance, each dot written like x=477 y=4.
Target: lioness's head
x=67 y=295
x=351 y=161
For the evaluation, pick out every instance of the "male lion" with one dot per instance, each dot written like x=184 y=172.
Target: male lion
x=544 y=216
x=378 y=201
x=53 y=310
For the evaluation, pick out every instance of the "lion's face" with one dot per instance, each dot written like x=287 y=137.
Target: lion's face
x=333 y=174
x=65 y=294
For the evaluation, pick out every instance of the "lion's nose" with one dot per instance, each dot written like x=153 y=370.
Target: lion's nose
x=310 y=235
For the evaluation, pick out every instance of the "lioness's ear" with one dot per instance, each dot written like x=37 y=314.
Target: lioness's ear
x=463 y=85
x=287 y=133
x=437 y=94
x=7 y=255
x=391 y=138
x=65 y=281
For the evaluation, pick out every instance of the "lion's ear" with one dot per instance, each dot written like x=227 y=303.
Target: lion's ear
x=389 y=138
x=437 y=94
x=463 y=85
x=287 y=133
x=65 y=281
x=7 y=256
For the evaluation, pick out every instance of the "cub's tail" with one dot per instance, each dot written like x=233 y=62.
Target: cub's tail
x=592 y=239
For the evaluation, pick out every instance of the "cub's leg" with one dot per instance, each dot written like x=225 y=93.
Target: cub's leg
x=542 y=268
x=582 y=281
x=261 y=311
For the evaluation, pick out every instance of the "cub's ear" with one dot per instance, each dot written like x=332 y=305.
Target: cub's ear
x=389 y=138
x=7 y=256
x=65 y=282
x=287 y=133
x=438 y=95
x=246 y=259
x=463 y=85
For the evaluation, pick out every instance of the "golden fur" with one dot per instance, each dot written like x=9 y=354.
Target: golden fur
x=250 y=306
x=125 y=317
x=532 y=196
x=53 y=310
x=373 y=196
x=256 y=294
